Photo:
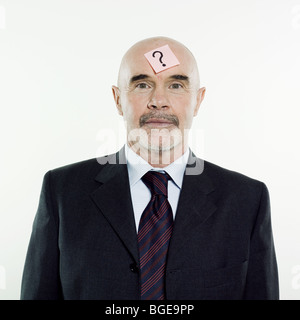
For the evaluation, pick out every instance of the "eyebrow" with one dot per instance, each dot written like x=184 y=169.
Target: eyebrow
x=173 y=77
x=180 y=77
x=139 y=77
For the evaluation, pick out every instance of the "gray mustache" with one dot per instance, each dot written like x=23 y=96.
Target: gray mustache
x=169 y=117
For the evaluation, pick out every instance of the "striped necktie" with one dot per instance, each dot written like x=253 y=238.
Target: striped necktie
x=155 y=229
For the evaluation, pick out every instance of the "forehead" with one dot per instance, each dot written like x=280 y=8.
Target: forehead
x=136 y=63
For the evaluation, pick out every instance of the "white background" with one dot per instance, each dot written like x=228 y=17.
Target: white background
x=59 y=58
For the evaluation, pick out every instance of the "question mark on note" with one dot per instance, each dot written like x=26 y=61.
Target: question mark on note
x=160 y=59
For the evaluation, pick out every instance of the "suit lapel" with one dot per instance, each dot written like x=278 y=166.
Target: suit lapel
x=194 y=208
x=114 y=201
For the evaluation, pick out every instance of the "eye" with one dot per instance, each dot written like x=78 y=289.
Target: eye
x=176 y=86
x=142 y=85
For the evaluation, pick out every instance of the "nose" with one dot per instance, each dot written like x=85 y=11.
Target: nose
x=158 y=100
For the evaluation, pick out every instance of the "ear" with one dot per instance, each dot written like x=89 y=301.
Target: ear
x=200 y=97
x=116 y=94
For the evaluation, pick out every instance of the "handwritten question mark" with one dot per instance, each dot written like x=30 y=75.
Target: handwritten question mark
x=160 y=59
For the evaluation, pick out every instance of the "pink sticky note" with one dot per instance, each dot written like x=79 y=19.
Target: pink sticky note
x=161 y=58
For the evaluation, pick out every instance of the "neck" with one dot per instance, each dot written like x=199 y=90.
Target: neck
x=159 y=158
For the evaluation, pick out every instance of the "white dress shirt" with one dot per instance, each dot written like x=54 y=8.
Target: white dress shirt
x=140 y=194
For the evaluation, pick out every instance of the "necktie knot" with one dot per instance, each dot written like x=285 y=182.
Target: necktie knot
x=157 y=182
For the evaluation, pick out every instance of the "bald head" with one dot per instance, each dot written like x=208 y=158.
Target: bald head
x=134 y=58
x=158 y=108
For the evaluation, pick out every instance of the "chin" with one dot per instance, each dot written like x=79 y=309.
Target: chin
x=160 y=148
x=156 y=140
x=162 y=142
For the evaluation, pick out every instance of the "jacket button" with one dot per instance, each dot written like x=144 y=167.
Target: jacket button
x=133 y=268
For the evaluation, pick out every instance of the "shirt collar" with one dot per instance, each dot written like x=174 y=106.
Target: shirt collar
x=137 y=167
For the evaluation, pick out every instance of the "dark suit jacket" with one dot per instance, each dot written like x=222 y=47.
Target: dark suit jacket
x=84 y=242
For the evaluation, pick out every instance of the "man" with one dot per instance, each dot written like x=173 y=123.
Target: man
x=152 y=221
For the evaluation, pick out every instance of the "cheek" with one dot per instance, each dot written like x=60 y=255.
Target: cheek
x=133 y=109
x=185 y=112
x=185 y=120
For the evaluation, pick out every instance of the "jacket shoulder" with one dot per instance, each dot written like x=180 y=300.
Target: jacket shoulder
x=84 y=165
x=230 y=178
x=245 y=191
x=79 y=173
